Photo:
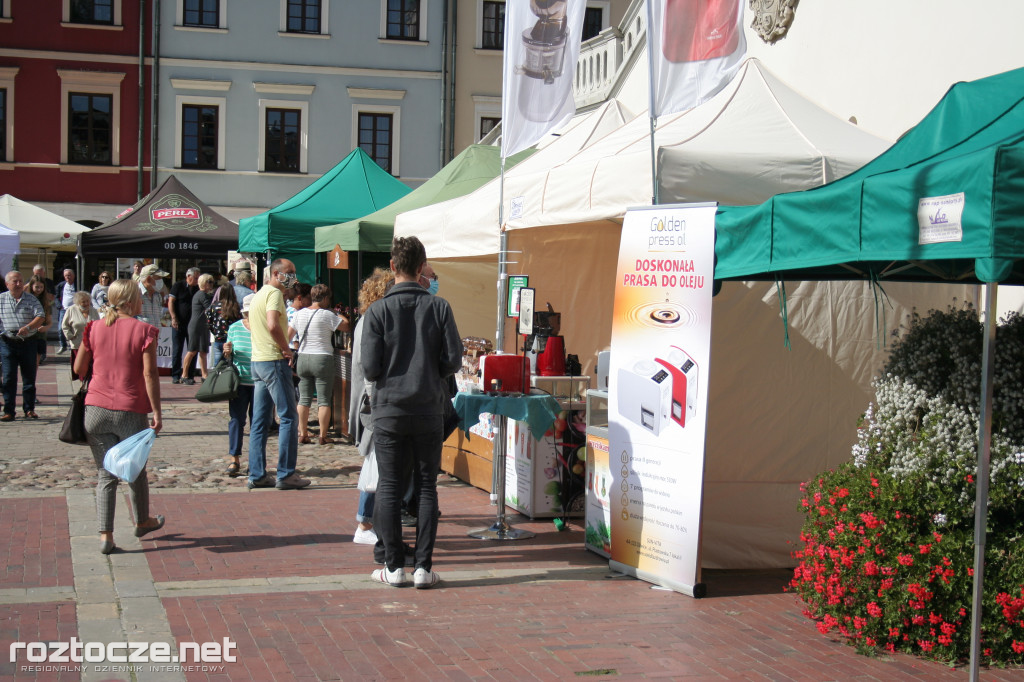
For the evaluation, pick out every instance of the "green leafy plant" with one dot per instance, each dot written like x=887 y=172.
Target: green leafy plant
x=887 y=546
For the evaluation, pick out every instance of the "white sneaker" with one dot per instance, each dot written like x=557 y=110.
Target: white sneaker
x=394 y=578
x=424 y=579
x=365 y=537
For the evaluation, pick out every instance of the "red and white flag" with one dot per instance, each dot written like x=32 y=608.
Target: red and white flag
x=695 y=48
x=542 y=45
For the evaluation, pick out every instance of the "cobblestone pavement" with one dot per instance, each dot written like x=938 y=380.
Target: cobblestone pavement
x=276 y=574
x=190 y=452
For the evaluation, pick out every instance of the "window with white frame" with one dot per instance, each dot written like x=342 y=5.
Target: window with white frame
x=596 y=18
x=492 y=25
x=376 y=130
x=7 y=75
x=199 y=132
x=199 y=139
x=403 y=20
x=90 y=129
x=202 y=14
x=304 y=17
x=283 y=136
x=91 y=12
x=487 y=124
x=5 y=9
x=486 y=114
x=90 y=117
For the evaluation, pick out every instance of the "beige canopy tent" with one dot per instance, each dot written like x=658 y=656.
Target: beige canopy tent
x=38 y=228
x=776 y=416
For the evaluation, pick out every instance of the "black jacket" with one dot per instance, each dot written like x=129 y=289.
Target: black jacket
x=58 y=293
x=410 y=347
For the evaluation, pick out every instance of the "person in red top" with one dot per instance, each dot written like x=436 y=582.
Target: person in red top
x=118 y=354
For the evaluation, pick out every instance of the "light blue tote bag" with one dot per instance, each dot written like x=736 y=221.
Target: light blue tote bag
x=126 y=459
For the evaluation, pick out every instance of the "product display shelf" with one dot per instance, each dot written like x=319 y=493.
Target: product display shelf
x=569 y=391
x=546 y=478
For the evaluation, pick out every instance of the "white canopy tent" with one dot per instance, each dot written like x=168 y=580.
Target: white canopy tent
x=39 y=229
x=470 y=283
x=754 y=139
x=10 y=245
x=776 y=416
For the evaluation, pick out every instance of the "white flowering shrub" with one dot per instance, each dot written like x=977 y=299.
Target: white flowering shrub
x=887 y=544
x=924 y=425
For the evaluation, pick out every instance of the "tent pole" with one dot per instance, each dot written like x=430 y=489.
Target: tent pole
x=499 y=334
x=154 y=89
x=651 y=114
x=981 y=480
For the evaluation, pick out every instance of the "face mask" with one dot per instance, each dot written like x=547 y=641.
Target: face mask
x=287 y=279
x=159 y=285
x=434 y=286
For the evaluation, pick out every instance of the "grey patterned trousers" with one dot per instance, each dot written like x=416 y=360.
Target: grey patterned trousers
x=105 y=429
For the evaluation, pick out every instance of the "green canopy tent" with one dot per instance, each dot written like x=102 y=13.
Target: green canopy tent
x=945 y=203
x=353 y=188
x=877 y=222
x=471 y=169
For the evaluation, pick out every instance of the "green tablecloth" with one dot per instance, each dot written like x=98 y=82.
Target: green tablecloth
x=538 y=411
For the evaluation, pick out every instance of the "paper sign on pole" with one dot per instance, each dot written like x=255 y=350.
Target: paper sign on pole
x=658 y=388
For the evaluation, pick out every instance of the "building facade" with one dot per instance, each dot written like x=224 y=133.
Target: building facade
x=259 y=98
x=253 y=99
x=73 y=121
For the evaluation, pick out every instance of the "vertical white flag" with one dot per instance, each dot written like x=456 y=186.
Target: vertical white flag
x=542 y=45
x=695 y=48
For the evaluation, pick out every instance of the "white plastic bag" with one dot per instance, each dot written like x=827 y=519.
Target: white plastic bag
x=368 y=474
x=126 y=459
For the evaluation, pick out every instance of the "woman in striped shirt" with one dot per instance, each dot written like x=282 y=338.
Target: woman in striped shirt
x=238 y=349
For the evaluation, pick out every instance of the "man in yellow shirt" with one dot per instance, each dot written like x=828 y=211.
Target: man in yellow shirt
x=272 y=379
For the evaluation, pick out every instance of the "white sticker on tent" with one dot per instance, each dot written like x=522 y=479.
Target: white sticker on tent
x=516 y=209
x=938 y=219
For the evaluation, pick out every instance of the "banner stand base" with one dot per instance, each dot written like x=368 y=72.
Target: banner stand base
x=501 y=531
x=697 y=590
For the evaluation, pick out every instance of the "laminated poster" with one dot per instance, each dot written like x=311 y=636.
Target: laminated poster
x=658 y=377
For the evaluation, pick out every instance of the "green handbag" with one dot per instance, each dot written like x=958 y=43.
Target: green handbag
x=221 y=384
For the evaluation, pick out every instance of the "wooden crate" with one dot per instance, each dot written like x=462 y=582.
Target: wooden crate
x=469 y=459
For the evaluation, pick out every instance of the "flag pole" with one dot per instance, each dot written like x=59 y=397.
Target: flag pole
x=650 y=101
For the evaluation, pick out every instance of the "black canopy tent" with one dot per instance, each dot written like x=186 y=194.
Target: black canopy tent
x=170 y=222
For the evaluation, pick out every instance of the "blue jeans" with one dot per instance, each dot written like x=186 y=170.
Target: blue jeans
x=240 y=408
x=60 y=330
x=407 y=446
x=216 y=352
x=365 y=512
x=14 y=356
x=273 y=389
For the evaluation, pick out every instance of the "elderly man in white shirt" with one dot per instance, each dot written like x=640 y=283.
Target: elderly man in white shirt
x=20 y=316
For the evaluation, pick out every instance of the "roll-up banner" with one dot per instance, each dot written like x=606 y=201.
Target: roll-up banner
x=695 y=48
x=542 y=44
x=658 y=392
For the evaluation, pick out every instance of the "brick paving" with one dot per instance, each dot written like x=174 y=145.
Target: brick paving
x=300 y=533
x=276 y=573
x=35 y=622
x=37 y=552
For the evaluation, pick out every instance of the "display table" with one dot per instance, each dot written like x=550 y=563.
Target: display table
x=539 y=411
